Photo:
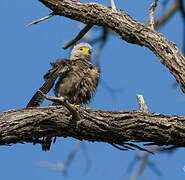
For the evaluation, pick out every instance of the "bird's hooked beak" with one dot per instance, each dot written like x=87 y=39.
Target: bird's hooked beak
x=87 y=50
x=90 y=52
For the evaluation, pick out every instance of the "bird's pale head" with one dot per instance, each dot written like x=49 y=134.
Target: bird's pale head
x=82 y=50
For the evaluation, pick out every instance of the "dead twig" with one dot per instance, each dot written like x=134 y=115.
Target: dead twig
x=63 y=101
x=117 y=147
x=144 y=159
x=39 y=20
x=182 y=10
x=113 y=5
x=86 y=155
x=151 y=13
x=79 y=36
x=138 y=147
x=99 y=49
x=141 y=167
x=161 y=21
x=72 y=154
x=142 y=106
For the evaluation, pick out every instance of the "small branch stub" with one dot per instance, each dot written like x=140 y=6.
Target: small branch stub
x=113 y=5
x=152 y=12
x=142 y=106
x=40 y=20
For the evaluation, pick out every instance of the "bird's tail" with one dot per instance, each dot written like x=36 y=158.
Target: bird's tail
x=46 y=144
x=37 y=98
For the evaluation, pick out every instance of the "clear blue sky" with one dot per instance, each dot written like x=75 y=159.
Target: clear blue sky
x=25 y=55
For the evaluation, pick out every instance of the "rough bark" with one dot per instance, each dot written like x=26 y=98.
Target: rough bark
x=27 y=125
x=129 y=30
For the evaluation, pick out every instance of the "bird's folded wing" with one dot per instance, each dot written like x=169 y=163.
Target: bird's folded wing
x=54 y=73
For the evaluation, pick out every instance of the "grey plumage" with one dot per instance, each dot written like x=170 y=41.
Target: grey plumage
x=78 y=79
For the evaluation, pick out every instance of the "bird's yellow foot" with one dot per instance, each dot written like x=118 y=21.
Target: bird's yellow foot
x=77 y=105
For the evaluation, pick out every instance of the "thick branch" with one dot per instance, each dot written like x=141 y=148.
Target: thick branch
x=27 y=125
x=128 y=28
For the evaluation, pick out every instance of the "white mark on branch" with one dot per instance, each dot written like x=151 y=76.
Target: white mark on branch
x=151 y=13
x=142 y=106
x=113 y=5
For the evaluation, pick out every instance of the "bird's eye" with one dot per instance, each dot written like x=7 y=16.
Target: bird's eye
x=81 y=49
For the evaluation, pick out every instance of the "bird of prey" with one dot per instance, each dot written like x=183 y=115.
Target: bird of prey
x=78 y=80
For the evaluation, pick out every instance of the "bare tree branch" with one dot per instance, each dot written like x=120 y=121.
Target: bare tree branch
x=161 y=21
x=79 y=36
x=102 y=44
x=141 y=167
x=182 y=9
x=27 y=125
x=40 y=20
x=60 y=166
x=72 y=154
